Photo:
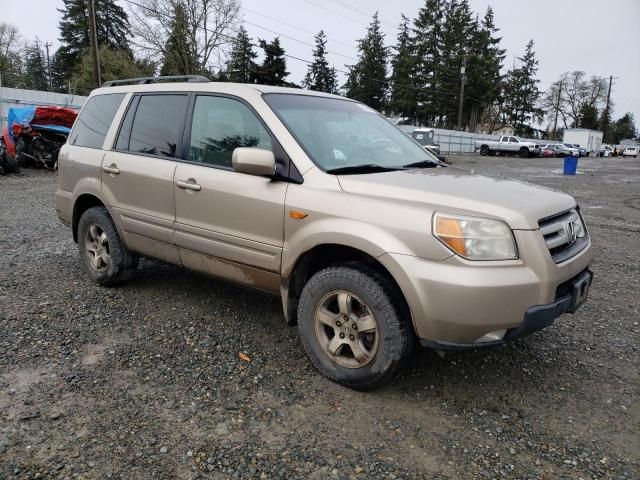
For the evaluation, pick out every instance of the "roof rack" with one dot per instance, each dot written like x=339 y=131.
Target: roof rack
x=147 y=80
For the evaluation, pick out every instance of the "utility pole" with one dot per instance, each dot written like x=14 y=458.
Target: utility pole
x=605 y=115
x=46 y=46
x=462 y=81
x=93 y=38
x=555 y=121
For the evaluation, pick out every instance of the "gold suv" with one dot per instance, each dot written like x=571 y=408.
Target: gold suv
x=372 y=243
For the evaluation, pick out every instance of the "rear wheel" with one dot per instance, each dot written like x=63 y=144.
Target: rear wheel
x=484 y=150
x=105 y=257
x=354 y=326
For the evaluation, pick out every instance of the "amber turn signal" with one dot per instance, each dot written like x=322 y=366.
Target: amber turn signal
x=297 y=215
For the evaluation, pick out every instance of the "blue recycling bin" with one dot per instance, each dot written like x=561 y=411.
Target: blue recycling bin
x=570 y=165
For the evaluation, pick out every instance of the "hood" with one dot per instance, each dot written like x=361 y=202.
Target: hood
x=455 y=190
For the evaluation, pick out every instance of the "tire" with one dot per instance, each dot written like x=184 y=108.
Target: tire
x=484 y=150
x=97 y=233
x=374 y=300
x=524 y=153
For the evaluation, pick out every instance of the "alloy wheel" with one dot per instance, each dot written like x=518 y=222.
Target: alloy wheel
x=346 y=329
x=96 y=246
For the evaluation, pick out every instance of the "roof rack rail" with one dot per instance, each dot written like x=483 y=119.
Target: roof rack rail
x=147 y=80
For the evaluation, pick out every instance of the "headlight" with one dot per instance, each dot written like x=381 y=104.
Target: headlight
x=475 y=238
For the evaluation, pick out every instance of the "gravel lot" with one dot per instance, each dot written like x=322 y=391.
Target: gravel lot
x=145 y=380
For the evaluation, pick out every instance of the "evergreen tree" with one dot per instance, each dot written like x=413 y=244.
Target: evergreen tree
x=35 y=66
x=589 y=117
x=427 y=43
x=456 y=47
x=403 y=99
x=522 y=93
x=180 y=56
x=57 y=75
x=241 y=66
x=112 y=28
x=273 y=70
x=484 y=64
x=624 y=128
x=367 y=81
x=319 y=75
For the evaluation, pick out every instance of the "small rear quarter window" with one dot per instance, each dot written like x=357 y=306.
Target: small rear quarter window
x=95 y=119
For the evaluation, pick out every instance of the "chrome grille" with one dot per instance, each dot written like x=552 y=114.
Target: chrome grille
x=564 y=234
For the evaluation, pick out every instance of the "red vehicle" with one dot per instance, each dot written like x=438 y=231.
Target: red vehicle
x=547 y=152
x=35 y=134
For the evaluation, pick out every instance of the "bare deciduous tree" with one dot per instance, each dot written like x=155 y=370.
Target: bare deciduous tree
x=209 y=27
x=11 y=47
x=571 y=94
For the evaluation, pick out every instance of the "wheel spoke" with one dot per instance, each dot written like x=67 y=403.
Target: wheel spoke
x=94 y=259
x=104 y=256
x=335 y=345
x=359 y=353
x=102 y=240
x=325 y=317
x=93 y=232
x=366 y=324
x=344 y=303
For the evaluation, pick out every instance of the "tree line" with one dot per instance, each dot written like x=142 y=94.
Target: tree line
x=417 y=79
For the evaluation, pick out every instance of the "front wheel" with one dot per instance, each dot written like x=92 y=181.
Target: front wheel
x=105 y=257
x=354 y=326
x=524 y=153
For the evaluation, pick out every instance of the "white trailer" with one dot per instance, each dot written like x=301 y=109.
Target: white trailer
x=589 y=139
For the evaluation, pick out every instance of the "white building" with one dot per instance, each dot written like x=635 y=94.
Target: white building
x=17 y=97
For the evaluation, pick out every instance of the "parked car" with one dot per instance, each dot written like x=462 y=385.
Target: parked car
x=605 y=151
x=558 y=149
x=38 y=133
x=572 y=149
x=630 y=152
x=371 y=251
x=546 y=151
x=582 y=152
x=508 y=145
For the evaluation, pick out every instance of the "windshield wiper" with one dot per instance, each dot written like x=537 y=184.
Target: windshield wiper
x=366 y=168
x=423 y=164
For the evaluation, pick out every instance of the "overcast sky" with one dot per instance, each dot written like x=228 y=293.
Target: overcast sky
x=599 y=37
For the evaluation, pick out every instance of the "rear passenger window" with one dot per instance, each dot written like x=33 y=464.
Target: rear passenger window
x=156 y=128
x=219 y=126
x=95 y=119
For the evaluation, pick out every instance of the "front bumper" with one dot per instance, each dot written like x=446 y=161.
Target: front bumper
x=458 y=302
x=535 y=318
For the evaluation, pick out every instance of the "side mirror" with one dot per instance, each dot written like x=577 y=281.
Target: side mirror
x=254 y=161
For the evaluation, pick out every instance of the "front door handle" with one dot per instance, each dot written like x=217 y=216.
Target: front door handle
x=188 y=184
x=113 y=168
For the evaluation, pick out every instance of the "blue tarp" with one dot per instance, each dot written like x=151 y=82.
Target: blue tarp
x=53 y=128
x=21 y=116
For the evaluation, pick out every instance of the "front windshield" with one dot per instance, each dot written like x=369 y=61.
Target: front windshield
x=340 y=133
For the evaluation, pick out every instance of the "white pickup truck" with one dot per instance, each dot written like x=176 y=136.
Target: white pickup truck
x=508 y=145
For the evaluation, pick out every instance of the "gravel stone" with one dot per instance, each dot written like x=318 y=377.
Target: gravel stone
x=122 y=376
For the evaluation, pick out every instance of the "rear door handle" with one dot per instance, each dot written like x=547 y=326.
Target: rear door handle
x=113 y=168
x=188 y=184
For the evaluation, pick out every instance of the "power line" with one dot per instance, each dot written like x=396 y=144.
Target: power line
x=298 y=40
x=350 y=7
x=337 y=13
x=294 y=26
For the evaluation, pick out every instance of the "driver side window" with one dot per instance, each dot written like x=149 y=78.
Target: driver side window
x=219 y=126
